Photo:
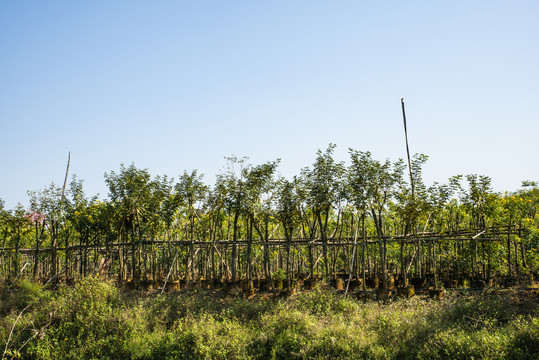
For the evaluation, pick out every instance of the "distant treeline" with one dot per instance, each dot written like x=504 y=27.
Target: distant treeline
x=369 y=220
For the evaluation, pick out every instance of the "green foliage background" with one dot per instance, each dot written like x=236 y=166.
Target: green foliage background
x=147 y=216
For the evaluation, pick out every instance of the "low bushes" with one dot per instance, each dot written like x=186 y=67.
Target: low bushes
x=94 y=320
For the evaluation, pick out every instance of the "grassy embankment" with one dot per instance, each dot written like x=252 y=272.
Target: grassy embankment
x=95 y=320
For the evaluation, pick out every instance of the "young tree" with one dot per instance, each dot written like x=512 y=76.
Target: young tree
x=259 y=186
x=479 y=201
x=325 y=185
x=49 y=203
x=377 y=185
x=289 y=213
x=190 y=190
x=410 y=206
x=136 y=199
x=245 y=185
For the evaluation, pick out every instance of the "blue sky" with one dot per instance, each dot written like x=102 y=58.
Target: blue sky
x=178 y=85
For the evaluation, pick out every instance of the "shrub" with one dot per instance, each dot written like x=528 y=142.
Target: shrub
x=175 y=346
x=85 y=323
x=323 y=302
x=462 y=344
x=525 y=338
x=26 y=293
x=285 y=335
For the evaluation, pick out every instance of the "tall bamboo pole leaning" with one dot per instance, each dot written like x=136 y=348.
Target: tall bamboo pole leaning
x=407 y=147
x=62 y=202
x=411 y=184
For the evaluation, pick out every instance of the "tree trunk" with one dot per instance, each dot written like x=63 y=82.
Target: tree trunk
x=288 y=234
x=249 y=245
x=133 y=254
x=38 y=243
x=509 y=249
x=235 y=245
x=363 y=252
x=324 y=241
x=381 y=244
x=54 y=247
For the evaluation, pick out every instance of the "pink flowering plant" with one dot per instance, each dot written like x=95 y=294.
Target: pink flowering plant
x=35 y=217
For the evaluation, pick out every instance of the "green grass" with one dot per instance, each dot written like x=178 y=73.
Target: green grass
x=94 y=320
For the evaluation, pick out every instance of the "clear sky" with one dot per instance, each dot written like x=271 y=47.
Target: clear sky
x=178 y=85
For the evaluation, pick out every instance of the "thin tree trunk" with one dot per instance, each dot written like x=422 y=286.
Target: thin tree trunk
x=324 y=242
x=381 y=245
x=235 y=245
x=249 y=245
x=509 y=248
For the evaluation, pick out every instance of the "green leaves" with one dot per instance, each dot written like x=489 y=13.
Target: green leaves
x=371 y=182
x=244 y=185
x=190 y=189
x=139 y=201
x=288 y=204
x=324 y=182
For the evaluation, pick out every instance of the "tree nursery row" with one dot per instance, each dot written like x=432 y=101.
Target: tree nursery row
x=368 y=224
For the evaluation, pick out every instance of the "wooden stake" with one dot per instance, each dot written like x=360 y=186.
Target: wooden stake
x=65 y=179
x=407 y=148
